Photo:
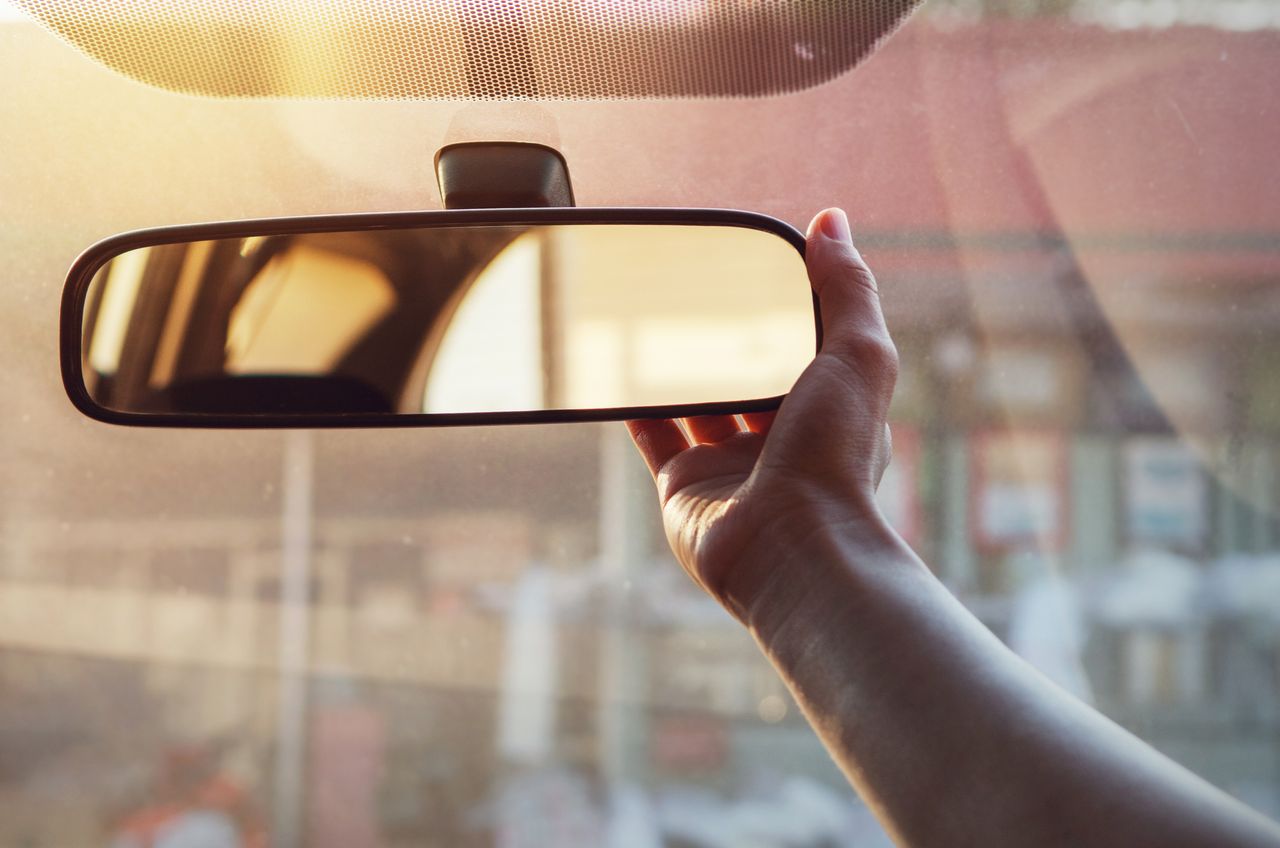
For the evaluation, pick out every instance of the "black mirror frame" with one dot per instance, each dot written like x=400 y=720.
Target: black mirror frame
x=87 y=264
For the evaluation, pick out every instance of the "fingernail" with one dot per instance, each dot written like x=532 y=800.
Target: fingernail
x=835 y=225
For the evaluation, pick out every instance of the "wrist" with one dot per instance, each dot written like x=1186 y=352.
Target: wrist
x=822 y=570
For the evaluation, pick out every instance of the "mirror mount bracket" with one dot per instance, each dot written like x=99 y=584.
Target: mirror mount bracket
x=502 y=175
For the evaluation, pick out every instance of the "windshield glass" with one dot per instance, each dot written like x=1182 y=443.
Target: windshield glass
x=478 y=636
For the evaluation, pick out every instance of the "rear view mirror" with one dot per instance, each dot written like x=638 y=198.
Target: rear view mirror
x=475 y=317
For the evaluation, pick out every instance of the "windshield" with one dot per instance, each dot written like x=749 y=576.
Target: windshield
x=478 y=636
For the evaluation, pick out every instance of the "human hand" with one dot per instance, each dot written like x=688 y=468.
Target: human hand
x=900 y=682
x=743 y=509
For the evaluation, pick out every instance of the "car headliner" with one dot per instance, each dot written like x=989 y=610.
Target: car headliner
x=482 y=49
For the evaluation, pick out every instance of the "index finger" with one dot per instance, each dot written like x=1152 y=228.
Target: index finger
x=658 y=440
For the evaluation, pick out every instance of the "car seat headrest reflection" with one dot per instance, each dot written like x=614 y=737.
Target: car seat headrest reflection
x=449 y=320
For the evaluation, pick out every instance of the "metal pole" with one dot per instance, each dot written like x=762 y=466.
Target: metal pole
x=625 y=505
x=294 y=639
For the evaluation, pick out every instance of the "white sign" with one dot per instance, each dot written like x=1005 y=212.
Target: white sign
x=1165 y=492
x=1017 y=512
x=1020 y=495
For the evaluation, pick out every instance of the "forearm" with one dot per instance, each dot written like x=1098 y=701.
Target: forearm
x=945 y=732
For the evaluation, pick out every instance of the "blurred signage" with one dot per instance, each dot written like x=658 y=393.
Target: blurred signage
x=1029 y=381
x=1022 y=378
x=899 y=492
x=476 y=546
x=685 y=743
x=1019 y=490
x=1165 y=492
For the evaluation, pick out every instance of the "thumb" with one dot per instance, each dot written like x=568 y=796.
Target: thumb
x=853 y=327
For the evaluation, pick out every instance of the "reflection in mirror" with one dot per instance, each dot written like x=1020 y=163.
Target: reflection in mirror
x=460 y=319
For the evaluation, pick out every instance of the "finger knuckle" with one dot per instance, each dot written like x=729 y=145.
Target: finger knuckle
x=846 y=270
x=873 y=351
x=862 y=275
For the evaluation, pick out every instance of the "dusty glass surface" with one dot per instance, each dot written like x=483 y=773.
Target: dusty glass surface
x=477 y=637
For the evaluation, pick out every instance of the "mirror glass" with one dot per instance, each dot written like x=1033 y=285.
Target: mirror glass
x=458 y=319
